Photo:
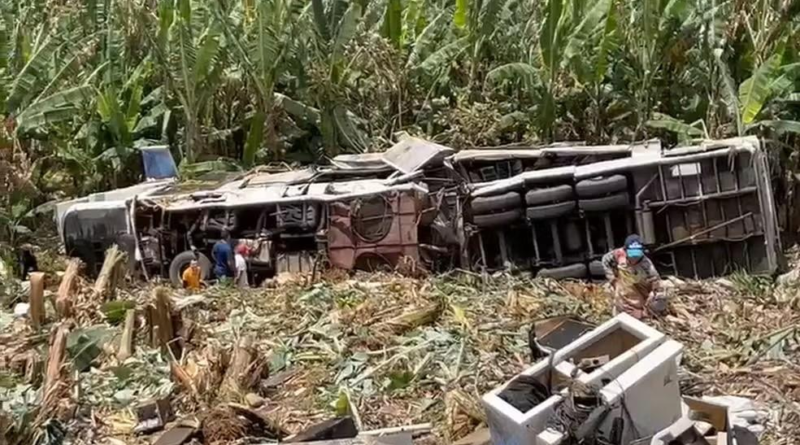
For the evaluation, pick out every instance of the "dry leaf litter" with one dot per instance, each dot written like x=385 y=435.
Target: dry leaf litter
x=387 y=349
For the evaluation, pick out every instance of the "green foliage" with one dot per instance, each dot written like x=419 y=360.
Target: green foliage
x=254 y=137
x=236 y=84
x=393 y=25
x=84 y=345
x=754 y=91
x=114 y=311
x=24 y=84
x=754 y=286
x=685 y=132
x=460 y=17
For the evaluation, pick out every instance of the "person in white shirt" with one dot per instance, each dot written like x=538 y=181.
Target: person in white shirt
x=241 y=266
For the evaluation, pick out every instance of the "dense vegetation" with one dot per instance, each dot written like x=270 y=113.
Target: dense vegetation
x=235 y=83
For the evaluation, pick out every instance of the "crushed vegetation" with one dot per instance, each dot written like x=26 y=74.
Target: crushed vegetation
x=388 y=350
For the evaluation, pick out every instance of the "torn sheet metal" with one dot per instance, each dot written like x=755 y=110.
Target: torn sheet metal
x=561 y=150
x=288 y=177
x=669 y=189
x=365 y=161
x=282 y=193
x=412 y=154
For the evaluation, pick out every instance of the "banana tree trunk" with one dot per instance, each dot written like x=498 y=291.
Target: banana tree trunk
x=192 y=131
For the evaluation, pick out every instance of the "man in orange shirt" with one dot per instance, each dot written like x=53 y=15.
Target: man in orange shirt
x=192 y=276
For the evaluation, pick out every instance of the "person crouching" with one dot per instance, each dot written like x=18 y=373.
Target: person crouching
x=634 y=279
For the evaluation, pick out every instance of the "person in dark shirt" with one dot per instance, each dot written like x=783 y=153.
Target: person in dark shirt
x=222 y=253
x=27 y=261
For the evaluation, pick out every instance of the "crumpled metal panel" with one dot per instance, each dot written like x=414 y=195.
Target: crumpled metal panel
x=347 y=250
x=412 y=154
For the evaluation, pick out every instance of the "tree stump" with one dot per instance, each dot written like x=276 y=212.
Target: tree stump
x=55 y=359
x=128 y=333
x=37 y=300
x=66 y=289
x=163 y=328
x=246 y=370
x=112 y=273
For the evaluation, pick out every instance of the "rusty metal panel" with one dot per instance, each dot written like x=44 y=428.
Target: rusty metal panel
x=358 y=237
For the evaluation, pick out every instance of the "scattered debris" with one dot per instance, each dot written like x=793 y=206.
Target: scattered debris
x=609 y=386
x=338 y=428
x=153 y=415
x=176 y=436
x=246 y=370
x=682 y=432
x=480 y=436
x=556 y=332
x=227 y=423
x=349 y=345
x=254 y=400
x=22 y=310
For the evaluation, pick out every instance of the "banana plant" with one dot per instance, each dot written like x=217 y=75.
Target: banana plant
x=50 y=87
x=755 y=104
x=770 y=82
x=336 y=23
x=562 y=38
x=188 y=48
x=262 y=34
x=654 y=27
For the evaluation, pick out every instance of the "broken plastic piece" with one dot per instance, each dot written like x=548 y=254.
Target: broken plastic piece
x=153 y=415
x=338 y=428
x=589 y=364
x=176 y=436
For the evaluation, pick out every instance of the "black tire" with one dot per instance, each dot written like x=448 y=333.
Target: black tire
x=548 y=195
x=591 y=188
x=181 y=262
x=497 y=219
x=559 y=273
x=551 y=211
x=488 y=204
x=596 y=269
x=612 y=202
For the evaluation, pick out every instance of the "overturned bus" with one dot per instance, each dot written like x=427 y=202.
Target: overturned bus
x=703 y=211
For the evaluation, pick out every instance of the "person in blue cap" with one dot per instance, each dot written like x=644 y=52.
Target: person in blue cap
x=633 y=278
